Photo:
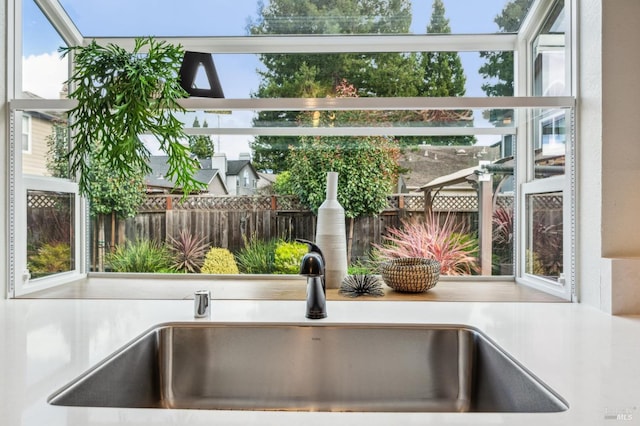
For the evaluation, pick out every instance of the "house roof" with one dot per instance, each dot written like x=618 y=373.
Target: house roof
x=159 y=169
x=234 y=167
x=426 y=163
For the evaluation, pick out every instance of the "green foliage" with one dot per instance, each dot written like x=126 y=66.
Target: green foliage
x=201 y=145
x=442 y=240
x=443 y=75
x=57 y=151
x=498 y=68
x=257 y=256
x=188 y=252
x=502 y=237
x=122 y=95
x=316 y=75
x=219 y=261
x=140 y=256
x=112 y=192
x=366 y=167
x=50 y=258
x=284 y=184
x=361 y=268
x=533 y=264
x=288 y=256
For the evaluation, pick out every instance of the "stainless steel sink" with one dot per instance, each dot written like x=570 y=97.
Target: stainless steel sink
x=312 y=368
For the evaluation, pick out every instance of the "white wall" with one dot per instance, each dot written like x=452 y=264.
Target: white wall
x=3 y=150
x=620 y=128
x=608 y=152
x=589 y=152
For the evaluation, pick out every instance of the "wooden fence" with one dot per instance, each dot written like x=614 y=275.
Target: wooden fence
x=223 y=221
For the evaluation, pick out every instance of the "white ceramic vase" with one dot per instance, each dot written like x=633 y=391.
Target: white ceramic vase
x=331 y=235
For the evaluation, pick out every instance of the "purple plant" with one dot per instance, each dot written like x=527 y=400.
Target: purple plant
x=446 y=241
x=188 y=252
x=502 y=235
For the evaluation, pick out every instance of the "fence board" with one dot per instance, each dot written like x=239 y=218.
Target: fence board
x=223 y=223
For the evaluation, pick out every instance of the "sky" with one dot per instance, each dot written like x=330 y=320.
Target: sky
x=44 y=72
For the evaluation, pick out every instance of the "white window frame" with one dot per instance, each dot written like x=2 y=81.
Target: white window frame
x=519 y=43
x=22 y=283
x=526 y=183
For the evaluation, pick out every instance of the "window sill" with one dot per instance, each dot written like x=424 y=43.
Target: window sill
x=278 y=287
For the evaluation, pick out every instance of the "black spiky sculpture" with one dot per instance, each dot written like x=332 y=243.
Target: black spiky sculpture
x=361 y=285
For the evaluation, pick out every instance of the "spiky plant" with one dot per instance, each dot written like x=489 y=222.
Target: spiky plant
x=502 y=235
x=140 y=256
x=188 y=251
x=257 y=256
x=361 y=285
x=445 y=240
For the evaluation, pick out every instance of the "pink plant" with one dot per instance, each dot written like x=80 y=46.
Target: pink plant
x=445 y=241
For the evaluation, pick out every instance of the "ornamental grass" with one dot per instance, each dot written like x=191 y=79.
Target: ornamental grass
x=442 y=239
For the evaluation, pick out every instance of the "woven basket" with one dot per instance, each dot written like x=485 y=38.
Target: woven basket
x=411 y=274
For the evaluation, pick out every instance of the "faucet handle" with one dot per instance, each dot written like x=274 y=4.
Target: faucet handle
x=313 y=248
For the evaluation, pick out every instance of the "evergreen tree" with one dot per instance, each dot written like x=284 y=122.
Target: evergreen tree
x=201 y=145
x=367 y=166
x=316 y=75
x=443 y=75
x=57 y=150
x=498 y=68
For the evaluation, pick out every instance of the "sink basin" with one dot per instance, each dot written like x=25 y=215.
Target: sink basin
x=312 y=368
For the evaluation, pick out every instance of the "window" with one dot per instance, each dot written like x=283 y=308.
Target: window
x=26 y=133
x=339 y=87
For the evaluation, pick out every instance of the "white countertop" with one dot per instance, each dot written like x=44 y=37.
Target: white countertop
x=591 y=359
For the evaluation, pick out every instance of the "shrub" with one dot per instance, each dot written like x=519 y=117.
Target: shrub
x=444 y=241
x=50 y=259
x=257 y=256
x=140 y=256
x=188 y=252
x=288 y=256
x=364 y=266
x=219 y=261
x=502 y=235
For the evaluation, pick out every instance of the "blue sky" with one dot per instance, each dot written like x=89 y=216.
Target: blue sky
x=223 y=17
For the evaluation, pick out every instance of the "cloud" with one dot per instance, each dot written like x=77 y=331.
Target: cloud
x=44 y=74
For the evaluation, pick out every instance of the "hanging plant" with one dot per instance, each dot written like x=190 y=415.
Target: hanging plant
x=122 y=95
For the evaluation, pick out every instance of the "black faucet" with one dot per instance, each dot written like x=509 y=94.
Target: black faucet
x=312 y=267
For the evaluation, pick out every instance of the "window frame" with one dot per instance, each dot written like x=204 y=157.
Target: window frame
x=519 y=43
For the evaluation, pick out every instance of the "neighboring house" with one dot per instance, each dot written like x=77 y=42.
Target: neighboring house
x=157 y=181
x=36 y=128
x=222 y=176
x=265 y=183
x=240 y=177
x=422 y=164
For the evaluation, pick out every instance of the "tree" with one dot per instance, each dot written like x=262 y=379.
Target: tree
x=57 y=149
x=442 y=75
x=498 y=67
x=316 y=75
x=111 y=194
x=201 y=145
x=367 y=167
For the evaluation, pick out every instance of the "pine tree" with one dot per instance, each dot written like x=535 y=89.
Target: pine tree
x=499 y=65
x=201 y=145
x=443 y=75
x=317 y=75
